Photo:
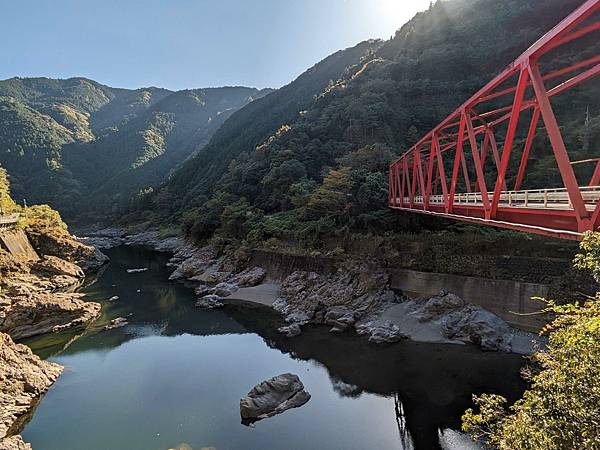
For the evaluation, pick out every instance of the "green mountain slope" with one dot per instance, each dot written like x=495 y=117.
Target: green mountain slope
x=323 y=174
x=144 y=150
x=256 y=122
x=83 y=146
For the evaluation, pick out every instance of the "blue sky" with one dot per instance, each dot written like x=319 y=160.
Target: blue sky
x=181 y=44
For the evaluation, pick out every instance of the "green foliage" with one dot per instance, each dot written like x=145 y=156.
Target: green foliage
x=88 y=149
x=562 y=406
x=590 y=258
x=321 y=146
x=41 y=219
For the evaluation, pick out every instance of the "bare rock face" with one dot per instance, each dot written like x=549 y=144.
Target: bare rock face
x=23 y=379
x=351 y=296
x=14 y=443
x=273 y=397
x=54 y=265
x=40 y=312
x=67 y=247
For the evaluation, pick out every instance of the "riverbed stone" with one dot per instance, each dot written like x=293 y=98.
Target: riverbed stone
x=272 y=397
x=209 y=302
x=119 y=322
x=437 y=306
x=250 y=277
x=225 y=289
x=478 y=326
x=340 y=317
x=290 y=331
x=381 y=332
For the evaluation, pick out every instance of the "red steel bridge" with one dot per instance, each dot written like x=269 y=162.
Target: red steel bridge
x=453 y=155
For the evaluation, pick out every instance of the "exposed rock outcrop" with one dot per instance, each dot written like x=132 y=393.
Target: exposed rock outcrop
x=23 y=379
x=53 y=265
x=37 y=297
x=40 y=312
x=66 y=247
x=272 y=397
x=14 y=443
x=358 y=297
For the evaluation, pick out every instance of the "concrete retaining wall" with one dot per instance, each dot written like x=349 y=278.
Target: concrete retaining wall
x=17 y=244
x=511 y=300
x=507 y=299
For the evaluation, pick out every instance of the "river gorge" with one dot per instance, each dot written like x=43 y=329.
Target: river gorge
x=173 y=376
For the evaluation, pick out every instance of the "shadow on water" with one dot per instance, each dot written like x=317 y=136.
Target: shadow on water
x=433 y=383
x=429 y=386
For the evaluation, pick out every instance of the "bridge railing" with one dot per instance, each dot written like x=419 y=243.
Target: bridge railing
x=557 y=198
x=480 y=137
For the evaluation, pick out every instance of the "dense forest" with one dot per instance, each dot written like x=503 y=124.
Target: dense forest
x=307 y=164
x=87 y=149
x=303 y=166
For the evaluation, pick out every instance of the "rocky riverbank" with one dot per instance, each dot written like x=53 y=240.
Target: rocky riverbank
x=37 y=297
x=24 y=378
x=357 y=297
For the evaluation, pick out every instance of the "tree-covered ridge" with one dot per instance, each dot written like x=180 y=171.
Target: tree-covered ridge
x=83 y=146
x=311 y=178
x=253 y=124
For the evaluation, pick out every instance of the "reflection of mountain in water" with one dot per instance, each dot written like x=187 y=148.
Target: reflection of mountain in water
x=432 y=384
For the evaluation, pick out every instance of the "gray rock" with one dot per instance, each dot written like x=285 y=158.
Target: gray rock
x=340 y=317
x=24 y=378
x=225 y=289
x=250 y=277
x=273 y=397
x=209 y=302
x=119 y=322
x=380 y=332
x=203 y=290
x=438 y=306
x=297 y=317
x=478 y=326
x=281 y=306
x=290 y=331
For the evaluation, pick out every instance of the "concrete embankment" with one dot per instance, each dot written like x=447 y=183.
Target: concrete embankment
x=15 y=242
x=513 y=301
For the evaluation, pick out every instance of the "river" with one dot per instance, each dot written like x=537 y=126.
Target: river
x=173 y=377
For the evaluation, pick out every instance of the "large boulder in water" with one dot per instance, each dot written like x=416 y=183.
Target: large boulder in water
x=273 y=397
x=479 y=326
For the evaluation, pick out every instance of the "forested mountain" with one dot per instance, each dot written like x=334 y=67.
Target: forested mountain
x=89 y=148
x=308 y=163
x=305 y=165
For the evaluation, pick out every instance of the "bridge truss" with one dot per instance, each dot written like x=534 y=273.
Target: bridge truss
x=425 y=179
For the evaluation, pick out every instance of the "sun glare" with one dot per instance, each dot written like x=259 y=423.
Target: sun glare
x=397 y=12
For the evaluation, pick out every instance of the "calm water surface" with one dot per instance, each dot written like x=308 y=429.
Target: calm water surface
x=173 y=377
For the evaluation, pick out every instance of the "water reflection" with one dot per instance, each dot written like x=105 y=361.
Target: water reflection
x=173 y=377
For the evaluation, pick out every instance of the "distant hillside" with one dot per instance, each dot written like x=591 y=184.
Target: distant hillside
x=308 y=164
x=85 y=147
